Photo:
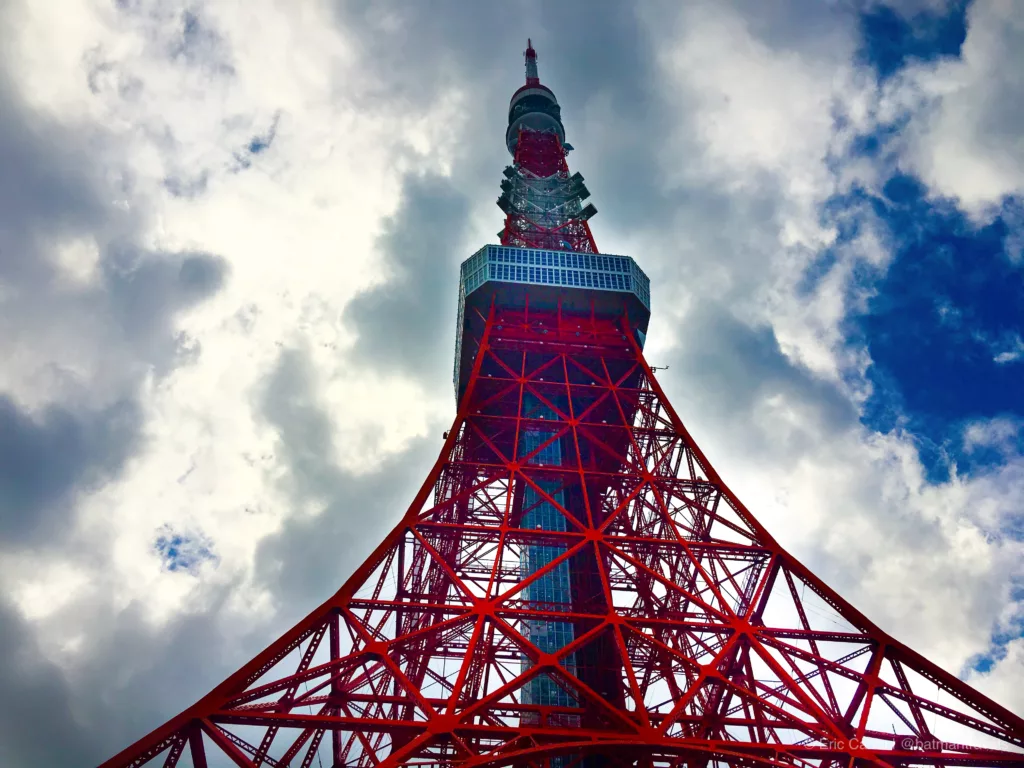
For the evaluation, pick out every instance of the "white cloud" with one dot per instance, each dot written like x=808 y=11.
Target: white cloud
x=966 y=141
x=765 y=127
x=929 y=563
x=1002 y=681
x=992 y=433
x=762 y=362
x=1011 y=351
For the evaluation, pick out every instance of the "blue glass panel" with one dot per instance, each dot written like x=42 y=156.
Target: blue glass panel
x=553 y=589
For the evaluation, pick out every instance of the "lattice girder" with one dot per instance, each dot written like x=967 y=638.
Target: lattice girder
x=543 y=203
x=690 y=637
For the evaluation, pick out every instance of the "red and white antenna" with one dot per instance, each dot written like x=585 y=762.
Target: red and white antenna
x=532 y=78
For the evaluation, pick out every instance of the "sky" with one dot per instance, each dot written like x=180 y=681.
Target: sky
x=229 y=241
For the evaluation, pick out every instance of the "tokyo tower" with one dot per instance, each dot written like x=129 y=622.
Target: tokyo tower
x=573 y=584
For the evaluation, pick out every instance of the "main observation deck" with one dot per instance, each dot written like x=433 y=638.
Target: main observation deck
x=573 y=283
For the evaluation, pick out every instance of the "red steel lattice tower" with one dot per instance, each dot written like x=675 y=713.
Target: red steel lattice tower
x=574 y=585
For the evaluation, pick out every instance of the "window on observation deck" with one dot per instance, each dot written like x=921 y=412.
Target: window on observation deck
x=542 y=267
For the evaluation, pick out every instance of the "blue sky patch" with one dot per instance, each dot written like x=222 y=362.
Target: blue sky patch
x=261 y=142
x=889 y=41
x=944 y=326
x=183 y=552
x=258 y=144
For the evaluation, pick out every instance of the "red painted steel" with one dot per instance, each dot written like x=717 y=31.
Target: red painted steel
x=541 y=156
x=543 y=207
x=724 y=650
x=531 y=64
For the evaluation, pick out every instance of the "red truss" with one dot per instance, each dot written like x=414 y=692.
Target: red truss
x=541 y=153
x=696 y=639
x=545 y=223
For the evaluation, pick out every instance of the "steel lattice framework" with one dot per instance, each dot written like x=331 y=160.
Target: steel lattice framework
x=543 y=204
x=542 y=201
x=574 y=585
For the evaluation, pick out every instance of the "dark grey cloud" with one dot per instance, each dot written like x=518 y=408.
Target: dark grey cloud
x=309 y=559
x=407 y=323
x=145 y=290
x=722 y=373
x=35 y=693
x=44 y=460
x=804 y=27
x=49 y=189
x=591 y=53
x=200 y=44
x=124 y=321
x=128 y=676
x=736 y=367
x=187 y=186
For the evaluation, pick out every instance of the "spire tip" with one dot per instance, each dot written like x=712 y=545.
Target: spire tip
x=531 y=64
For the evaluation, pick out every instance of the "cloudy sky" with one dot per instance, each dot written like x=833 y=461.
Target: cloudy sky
x=229 y=235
